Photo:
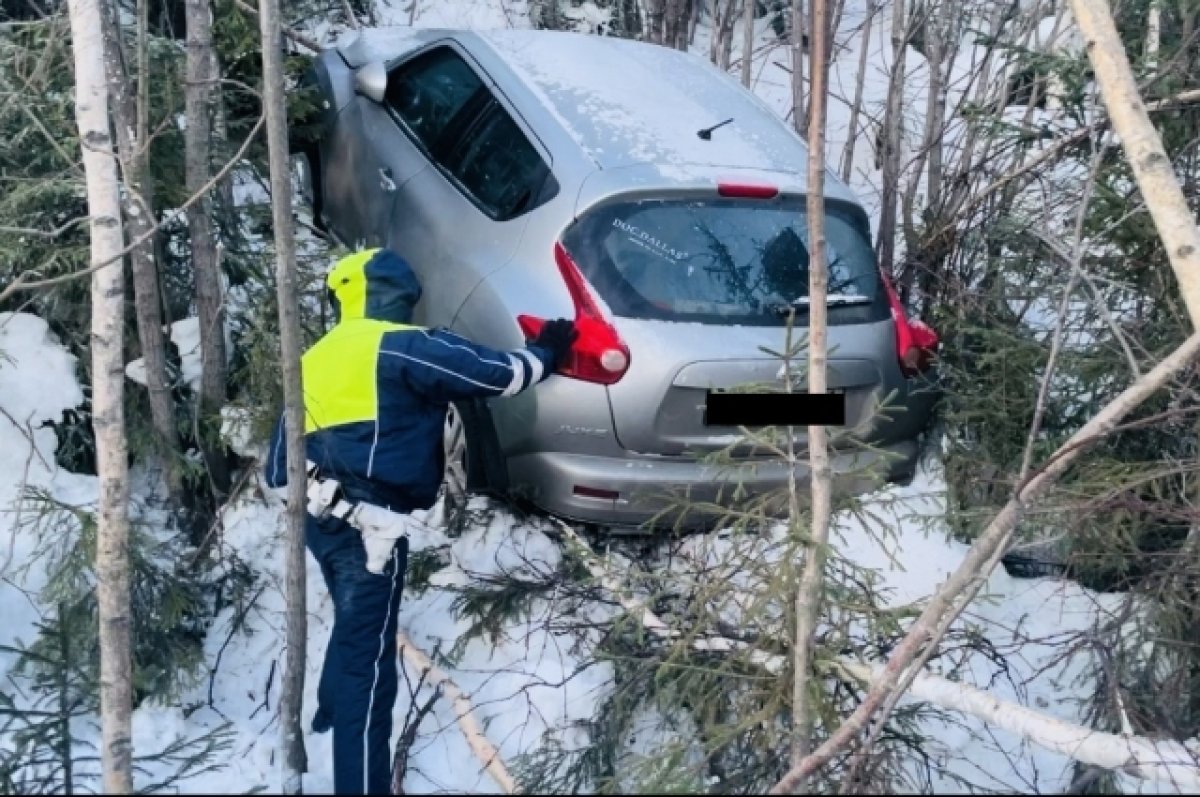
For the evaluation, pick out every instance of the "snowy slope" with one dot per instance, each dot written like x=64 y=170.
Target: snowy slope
x=530 y=679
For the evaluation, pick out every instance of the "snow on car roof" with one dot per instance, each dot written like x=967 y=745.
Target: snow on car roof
x=629 y=102
x=360 y=47
x=624 y=102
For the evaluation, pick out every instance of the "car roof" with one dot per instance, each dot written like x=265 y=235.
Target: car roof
x=624 y=102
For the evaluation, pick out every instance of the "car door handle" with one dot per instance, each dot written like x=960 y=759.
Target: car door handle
x=385 y=180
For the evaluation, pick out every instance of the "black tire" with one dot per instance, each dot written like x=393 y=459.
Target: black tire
x=473 y=463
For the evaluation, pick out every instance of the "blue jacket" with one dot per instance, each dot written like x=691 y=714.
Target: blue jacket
x=376 y=389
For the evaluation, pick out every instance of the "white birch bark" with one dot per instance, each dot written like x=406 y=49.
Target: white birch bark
x=1143 y=148
x=1153 y=35
x=108 y=382
x=477 y=740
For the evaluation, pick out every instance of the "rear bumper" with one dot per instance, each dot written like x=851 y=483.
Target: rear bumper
x=648 y=485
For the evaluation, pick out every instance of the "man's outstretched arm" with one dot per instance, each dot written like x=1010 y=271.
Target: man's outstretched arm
x=445 y=367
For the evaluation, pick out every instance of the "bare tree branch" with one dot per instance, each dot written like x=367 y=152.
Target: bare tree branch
x=477 y=740
x=298 y=38
x=22 y=284
x=1142 y=757
x=984 y=554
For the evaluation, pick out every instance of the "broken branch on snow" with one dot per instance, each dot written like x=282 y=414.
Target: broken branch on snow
x=1150 y=759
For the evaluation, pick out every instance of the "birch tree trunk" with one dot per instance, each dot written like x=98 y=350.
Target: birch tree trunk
x=1143 y=757
x=108 y=384
x=747 y=41
x=856 y=104
x=140 y=213
x=292 y=686
x=206 y=266
x=809 y=594
x=1143 y=148
x=1153 y=35
x=1181 y=239
x=892 y=136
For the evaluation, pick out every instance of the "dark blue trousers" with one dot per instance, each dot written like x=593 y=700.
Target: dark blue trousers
x=358 y=681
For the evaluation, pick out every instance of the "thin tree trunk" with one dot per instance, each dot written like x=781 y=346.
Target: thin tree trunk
x=935 y=108
x=856 y=105
x=833 y=14
x=1181 y=239
x=292 y=686
x=201 y=77
x=982 y=557
x=143 y=83
x=929 y=160
x=140 y=213
x=227 y=216
x=108 y=385
x=812 y=581
x=747 y=41
x=725 y=57
x=1143 y=149
x=694 y=22
x=714 y=38
x=654 y=14
x=892 y=136
x=1153 y=35
x=798 y=115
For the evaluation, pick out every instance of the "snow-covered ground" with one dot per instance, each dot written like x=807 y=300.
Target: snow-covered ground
x=529 y=679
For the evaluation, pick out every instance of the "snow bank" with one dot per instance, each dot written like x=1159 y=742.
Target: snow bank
x=37 y=385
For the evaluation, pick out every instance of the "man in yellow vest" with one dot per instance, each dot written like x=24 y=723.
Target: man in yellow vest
x=376 y=391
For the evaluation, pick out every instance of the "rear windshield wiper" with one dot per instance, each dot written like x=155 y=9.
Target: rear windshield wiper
x=802 y=304
x=839 y=299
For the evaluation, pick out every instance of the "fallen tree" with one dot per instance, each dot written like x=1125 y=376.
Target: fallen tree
x=1149 y=759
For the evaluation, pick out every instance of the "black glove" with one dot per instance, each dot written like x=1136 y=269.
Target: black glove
x=557 y=336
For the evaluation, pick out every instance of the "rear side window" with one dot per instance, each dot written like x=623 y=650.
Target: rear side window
x=498 y=166
x=722 y=261
x=429 y=91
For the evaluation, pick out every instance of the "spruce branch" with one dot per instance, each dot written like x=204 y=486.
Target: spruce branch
x=1142 y=757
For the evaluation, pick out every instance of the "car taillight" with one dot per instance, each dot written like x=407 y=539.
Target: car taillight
x=915 y=341
x=598 y=354
x=746 y=190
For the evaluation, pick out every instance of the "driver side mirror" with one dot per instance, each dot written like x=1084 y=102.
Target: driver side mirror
x=371 y=81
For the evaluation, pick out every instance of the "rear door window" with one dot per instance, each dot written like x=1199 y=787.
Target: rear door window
x=429 y=92
x=722 y=261
x=497 y=166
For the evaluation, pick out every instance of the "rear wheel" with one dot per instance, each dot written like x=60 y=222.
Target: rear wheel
x=454 y=476
x=474 y=463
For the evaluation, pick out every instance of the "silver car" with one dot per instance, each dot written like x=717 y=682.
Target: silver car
x=535 y=174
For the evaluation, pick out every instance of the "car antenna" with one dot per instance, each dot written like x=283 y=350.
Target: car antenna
x=707 y=132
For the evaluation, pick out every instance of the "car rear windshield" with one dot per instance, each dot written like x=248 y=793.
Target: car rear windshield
x=721 y=260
